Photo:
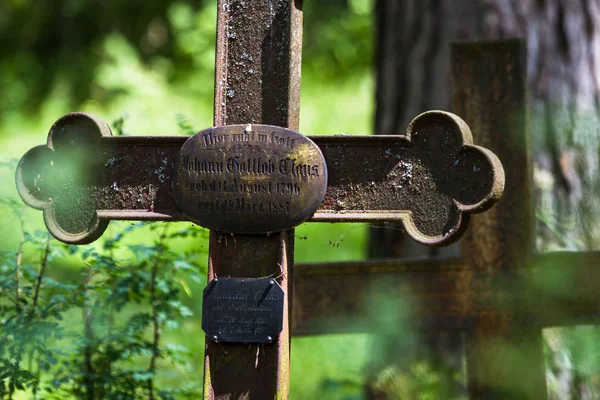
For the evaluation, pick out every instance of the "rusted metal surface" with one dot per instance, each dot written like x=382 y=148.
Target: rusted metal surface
x=439 y=294
x=250 y=371
x=259 y=46
x=56 y=178
x=431 y=179
x=84 y=177
x=489 y=80
x=257 y=80
x=242 y=310
x=249 y=179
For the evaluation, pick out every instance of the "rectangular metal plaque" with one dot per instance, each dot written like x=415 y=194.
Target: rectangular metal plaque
x=243 y=310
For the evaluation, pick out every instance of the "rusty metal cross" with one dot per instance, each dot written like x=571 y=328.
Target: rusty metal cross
x=431 y=178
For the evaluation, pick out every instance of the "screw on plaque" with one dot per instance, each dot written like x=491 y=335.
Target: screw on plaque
x=210 y=287
x=267 y=290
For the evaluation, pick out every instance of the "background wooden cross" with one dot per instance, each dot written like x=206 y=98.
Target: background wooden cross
x=431 y=178
x=501 y=294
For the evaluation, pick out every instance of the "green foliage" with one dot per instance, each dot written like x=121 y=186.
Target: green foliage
x=338 y=38
x=419 y=382
x=573 y=362
x=54 y=45
x=127 y=295
x=51 y=42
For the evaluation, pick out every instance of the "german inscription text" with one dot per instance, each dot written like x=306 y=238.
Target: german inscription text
x=249 y=179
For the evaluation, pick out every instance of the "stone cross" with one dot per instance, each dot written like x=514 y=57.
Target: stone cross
x=254 y=176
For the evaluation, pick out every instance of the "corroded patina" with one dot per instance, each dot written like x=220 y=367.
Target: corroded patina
x=249 y=178
x=431 y=178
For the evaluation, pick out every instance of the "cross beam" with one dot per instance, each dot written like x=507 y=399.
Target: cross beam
x=431 y=178
x=433 y=295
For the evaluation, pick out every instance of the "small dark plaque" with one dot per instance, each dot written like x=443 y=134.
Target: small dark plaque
x=243 y=310
x=249 y=178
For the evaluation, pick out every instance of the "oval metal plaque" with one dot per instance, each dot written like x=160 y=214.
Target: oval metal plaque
x=243 y=310
x=249 y=179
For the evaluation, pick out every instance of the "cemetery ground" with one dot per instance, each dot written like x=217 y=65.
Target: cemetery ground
x=329 y=367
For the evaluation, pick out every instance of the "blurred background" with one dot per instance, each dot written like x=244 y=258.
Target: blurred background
x=147 y=68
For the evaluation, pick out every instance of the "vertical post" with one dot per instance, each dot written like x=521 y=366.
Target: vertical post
x=257 y=80
x=504 y=349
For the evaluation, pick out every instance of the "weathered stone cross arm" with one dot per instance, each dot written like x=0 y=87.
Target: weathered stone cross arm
x=432 y=178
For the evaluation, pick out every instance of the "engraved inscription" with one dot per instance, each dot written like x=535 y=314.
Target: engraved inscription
x=243 y=310
x=235 y=178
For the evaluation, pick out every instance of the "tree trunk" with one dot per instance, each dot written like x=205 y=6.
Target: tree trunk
x=563 y=39
x=413 y=66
